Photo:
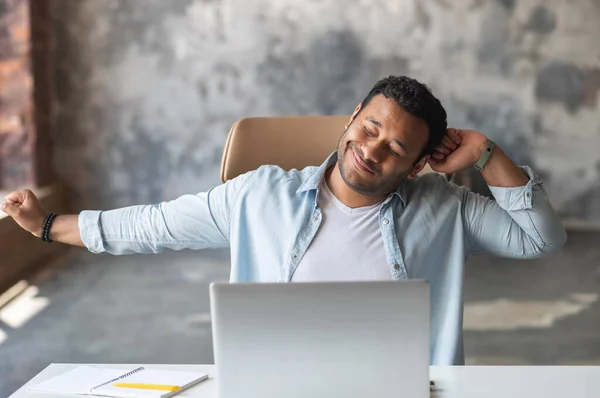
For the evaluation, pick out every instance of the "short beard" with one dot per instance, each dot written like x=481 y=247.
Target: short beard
x=383 y=188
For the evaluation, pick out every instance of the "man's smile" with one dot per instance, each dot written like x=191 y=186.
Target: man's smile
x=360 y=163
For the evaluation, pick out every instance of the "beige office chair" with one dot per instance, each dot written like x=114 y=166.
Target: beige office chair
x=290 y=142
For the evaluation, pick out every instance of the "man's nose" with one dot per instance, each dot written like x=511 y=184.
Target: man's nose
x=372 y=151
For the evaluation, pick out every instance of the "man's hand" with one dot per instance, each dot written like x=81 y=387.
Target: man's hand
x=25 y=208
x=459 y=149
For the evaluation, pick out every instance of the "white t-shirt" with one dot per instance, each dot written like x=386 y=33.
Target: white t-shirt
x=348 y=245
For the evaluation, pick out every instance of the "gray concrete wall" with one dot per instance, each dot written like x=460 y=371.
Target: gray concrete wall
x=147 y=89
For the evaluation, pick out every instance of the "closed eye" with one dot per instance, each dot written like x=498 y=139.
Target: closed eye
x=366 y=130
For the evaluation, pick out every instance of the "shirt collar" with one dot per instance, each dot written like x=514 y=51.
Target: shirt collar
x=316 y=178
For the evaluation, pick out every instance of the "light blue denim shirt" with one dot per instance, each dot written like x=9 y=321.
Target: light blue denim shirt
x=268 y=218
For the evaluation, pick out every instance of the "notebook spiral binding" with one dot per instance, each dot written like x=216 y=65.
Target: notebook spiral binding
x=119 y=378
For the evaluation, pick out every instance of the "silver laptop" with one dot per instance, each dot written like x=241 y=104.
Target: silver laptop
x=299 y=340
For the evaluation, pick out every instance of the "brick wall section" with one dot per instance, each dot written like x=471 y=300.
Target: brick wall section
x=17 y=135
x=42 y=61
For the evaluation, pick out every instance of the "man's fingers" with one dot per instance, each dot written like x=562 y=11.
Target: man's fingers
x=454 y=135
x=438 y=155
x=443 y=149
x=449 y=143
x=17 y=196
x=9 y=209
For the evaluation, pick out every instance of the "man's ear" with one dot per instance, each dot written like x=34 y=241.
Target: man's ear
x=356 y=110
x=419 y=166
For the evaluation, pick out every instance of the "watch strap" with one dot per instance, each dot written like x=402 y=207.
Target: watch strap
x=485 y=155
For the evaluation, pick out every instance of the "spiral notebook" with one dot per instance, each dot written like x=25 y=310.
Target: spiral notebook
x=132 y=383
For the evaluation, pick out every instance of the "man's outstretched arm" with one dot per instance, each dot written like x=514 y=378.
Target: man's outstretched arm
x=188 y=222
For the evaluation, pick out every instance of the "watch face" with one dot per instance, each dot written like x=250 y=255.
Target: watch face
x=487 y=152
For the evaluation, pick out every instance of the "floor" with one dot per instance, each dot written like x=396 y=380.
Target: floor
x=154 y=309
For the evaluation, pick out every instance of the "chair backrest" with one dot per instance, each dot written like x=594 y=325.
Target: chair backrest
x=290 y=142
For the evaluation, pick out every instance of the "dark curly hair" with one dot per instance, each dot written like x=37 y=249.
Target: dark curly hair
x=415 y=98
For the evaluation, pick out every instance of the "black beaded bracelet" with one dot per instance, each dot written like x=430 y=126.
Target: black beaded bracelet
x=46 y=227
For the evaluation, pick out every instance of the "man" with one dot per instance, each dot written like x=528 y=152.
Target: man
x=362 y=215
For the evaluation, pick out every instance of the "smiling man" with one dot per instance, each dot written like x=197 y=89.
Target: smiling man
x=362 y=215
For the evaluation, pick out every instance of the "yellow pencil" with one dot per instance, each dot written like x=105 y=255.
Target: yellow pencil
x=161 y=387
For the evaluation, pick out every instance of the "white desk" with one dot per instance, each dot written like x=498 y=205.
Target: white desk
x=456 y=382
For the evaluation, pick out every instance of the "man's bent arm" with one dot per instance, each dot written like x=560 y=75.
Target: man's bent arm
x=521 y=222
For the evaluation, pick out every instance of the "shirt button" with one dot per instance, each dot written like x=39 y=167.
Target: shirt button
x=315 y=218
x=396 y=267
x=528 y=194
x=294 y=256
x=386 y=221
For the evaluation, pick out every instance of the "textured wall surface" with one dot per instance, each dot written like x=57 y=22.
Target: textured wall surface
x=17 y=133
x=147 y=89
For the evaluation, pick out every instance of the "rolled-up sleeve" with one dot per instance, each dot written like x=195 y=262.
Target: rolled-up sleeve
x=521 y=222
x=188 y=222
x=90 y=230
